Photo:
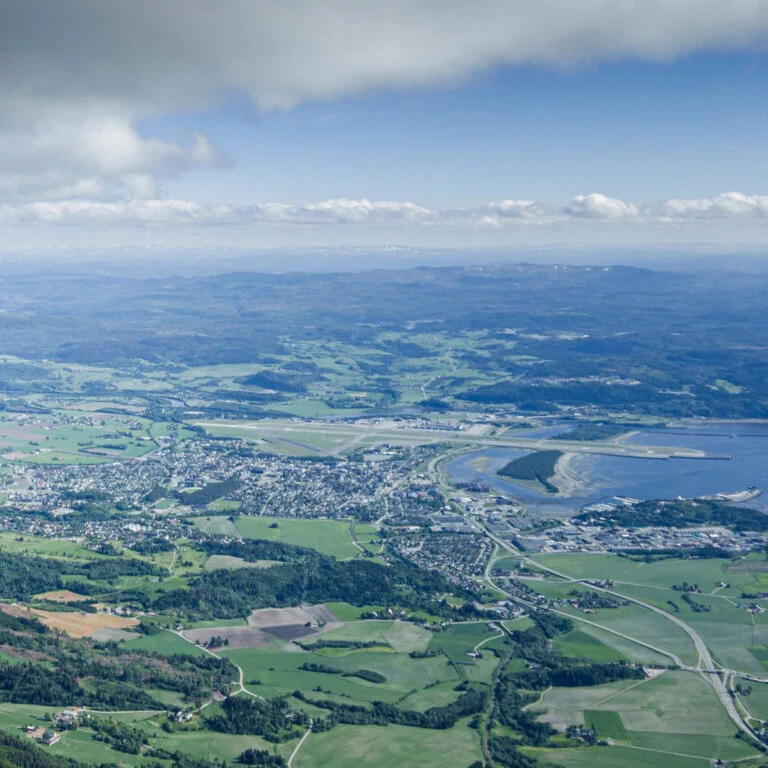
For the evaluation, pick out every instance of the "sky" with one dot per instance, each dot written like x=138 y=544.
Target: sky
x=429 y=123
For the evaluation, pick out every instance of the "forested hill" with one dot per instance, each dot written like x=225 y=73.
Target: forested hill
x=628 y=338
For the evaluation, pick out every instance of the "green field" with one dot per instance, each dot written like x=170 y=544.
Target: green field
x=164 y=642
x=619 y=757
x=439 y=695
x=227 y=562
x=402 y=636
x=606 y=724
x=221 y=526
x=645 y=626
x=209 y=745
x=749 y=573
x=279 y=672
x=224 y=505
x=331 y=537
x=37 y=545
x=728 y=629
x=396 y=746
x=580 y=645
x=206 y=745
x=457 y=641
x=675 y=712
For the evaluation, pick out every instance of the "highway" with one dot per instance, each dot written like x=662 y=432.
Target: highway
x=706 y=666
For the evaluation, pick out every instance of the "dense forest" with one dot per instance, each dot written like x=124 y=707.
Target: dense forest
x=681 y=513
x=272 y=719
x=588 y=431
x=612 y=337
x=538 y=466
x=100 y=675
x=235 y=593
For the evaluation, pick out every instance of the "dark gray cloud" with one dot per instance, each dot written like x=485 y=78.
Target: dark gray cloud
x=79 y=75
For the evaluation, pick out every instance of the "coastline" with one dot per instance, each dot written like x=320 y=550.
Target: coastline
x=568 y=478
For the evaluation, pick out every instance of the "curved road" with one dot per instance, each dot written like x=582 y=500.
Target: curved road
x=706 y=666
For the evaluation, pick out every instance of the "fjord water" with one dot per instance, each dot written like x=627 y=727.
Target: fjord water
x=599 y=477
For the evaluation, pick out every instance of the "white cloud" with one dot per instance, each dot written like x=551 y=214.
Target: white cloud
x=592 y=209
x=727 y=205
x=514 y=209
x=597 y=206
x=364 y=210
x=95 y=156
x=80 y=76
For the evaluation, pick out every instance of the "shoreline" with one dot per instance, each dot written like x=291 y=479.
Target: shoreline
x=567 y=478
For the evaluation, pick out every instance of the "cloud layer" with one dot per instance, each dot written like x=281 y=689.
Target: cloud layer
x=80 y=76
x=383 y=214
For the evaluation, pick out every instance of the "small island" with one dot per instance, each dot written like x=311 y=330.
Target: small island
x=538 y=467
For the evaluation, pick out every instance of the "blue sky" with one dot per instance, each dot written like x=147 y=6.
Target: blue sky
x=499 y=123
x=638 y=130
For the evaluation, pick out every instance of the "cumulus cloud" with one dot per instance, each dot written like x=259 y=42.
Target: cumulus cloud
x=93 y=156
x=174 y=212
x=80 y=76
x=384 y=214
x=514 y=209
x=727 y=205
x=597 y=206
x=364 y=210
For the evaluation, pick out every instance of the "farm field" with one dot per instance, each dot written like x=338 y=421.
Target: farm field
x=277 y=671
x=580 y=645
x=757 y=702
x=728 y=629
x=331 y=537
x=235 y=637
x=37 y=545
x=227 y=562
x=82 y=624
x=164 y=642
x=672 y=712
x=643 y=625
x=625 y=648
x=607 y=724
x=61 y=596
x=208 y=745
x=220 y=526
x=566 y=706
x=748 y=574
x=402 y=636
x=395 y=746
x=458 y=640
x=618 y=757
x=73 y=437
